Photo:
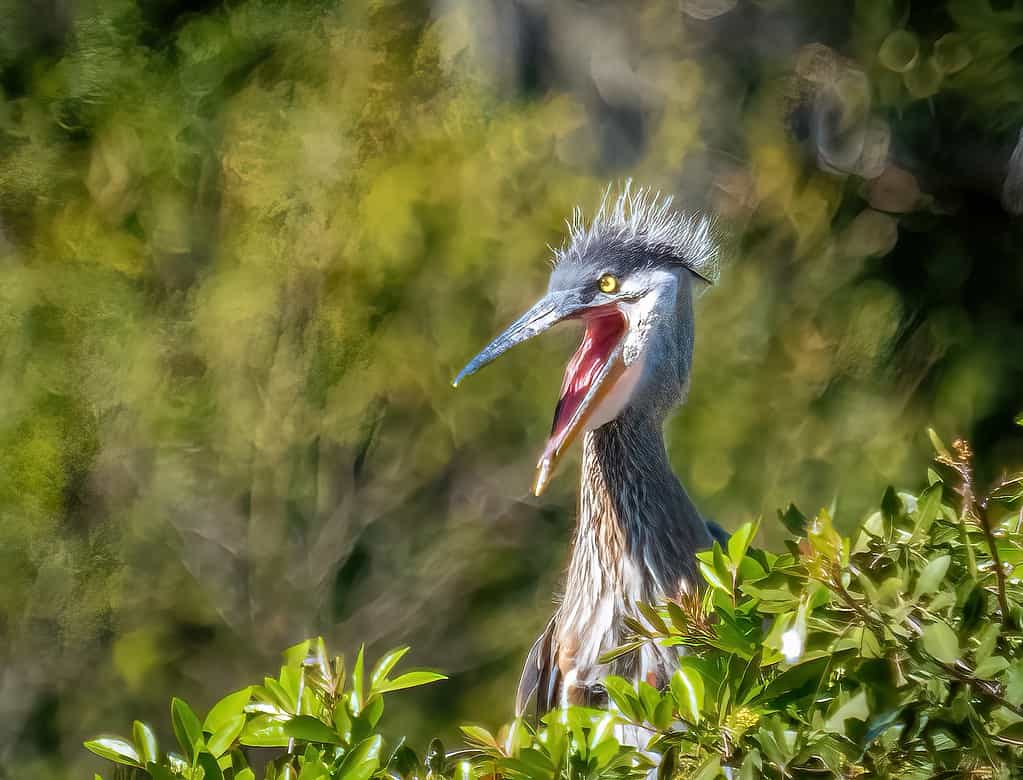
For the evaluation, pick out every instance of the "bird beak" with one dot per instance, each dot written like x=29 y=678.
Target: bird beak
x=593 y=370
x=545 y=313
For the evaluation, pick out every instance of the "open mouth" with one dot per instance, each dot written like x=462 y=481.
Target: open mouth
x=597 y=383
x=588 y=377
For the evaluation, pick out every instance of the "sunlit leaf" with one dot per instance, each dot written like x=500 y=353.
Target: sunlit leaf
x=411 y=680
x=222 y=739
x=687 y=690
x=145 y=742
x=114 y=749
x=227 y=709
x=186 y=728
x=383 y=667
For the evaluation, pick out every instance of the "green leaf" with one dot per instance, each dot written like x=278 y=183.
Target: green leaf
x=800 y=679
x=296 y=655
x=410 y=680
x=373 y=710
x=384 y=666
x=655 y=620
x=210 y=768
x=310 y=729
x=264 y=731
x=940 y=641
x=855 y=708
x=186 y=727
x=160 y=772
x=739 y=542
x=974 y=609
x=145 y=742
x=988 y=640
x=687 y=690
x=712 y=578
x=221 y=740
x=362 y=762
x=928 y=507
x=931 y=576
x=358 y=699
x=115 y=749
x=1012 y=735
x=793 y=520
x=621 y=650
x=891 y=506
x=480 y=736
x=937 y=443
x=624 y=695
x=227 y=709
x=991 y=667
x=722 y=565
x=752 y=766
x=709 y=769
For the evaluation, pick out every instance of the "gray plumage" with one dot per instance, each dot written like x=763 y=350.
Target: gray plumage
x=637 y=531
x=635 y=540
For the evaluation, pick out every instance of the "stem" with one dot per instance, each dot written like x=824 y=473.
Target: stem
x=985 y=523
x=963 y=465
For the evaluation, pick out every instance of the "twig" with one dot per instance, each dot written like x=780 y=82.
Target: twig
x=963 y=466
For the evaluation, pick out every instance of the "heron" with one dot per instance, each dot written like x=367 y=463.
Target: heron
x=630 y=275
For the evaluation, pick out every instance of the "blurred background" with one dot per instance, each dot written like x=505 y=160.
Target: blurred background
x=245 y=246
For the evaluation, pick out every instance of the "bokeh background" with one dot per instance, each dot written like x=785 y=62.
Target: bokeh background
x=244 y=247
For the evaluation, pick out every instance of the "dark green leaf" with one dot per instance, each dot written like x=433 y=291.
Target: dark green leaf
x=210 y=767
x=793 y=520
x=891 y=506
x=655 y=620
x=310 y=729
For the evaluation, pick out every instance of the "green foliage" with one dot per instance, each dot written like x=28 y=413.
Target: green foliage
x=897 y=651
x=322 y=720
x=245 y=245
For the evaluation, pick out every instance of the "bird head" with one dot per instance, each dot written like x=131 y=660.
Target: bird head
x=629 y=275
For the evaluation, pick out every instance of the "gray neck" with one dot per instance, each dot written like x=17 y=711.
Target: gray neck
x=631 y=499
x=636 y=540
x=638 y=532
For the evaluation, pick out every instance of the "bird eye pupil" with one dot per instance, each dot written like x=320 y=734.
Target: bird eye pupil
x=608 y=283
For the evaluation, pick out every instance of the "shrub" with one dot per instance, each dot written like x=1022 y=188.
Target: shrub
x=894 y=651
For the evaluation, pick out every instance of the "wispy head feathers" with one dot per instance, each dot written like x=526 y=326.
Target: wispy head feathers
x=643 y=221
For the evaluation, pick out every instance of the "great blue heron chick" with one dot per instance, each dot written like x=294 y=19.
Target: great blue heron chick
x=630 y=275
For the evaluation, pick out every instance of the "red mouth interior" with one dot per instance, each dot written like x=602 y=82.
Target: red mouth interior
x=604 y=329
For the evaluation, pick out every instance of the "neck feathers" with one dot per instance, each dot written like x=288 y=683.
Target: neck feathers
x=634 y=508
x=636 y=540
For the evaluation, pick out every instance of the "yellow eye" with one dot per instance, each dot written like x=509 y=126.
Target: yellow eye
x=608 y=283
